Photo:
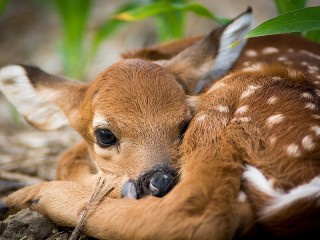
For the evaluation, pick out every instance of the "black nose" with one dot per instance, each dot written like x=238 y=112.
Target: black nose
x=157 y=181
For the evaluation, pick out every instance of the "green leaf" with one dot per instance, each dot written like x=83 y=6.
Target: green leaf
x=3 y=5
x=301 y=20
x=313 y=35
x=284 y=6
x=170 y=25
x=153 y=9
x=109 y=27
x=74 y=16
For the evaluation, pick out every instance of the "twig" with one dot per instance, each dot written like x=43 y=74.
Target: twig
x=13 y=165
x=97 y=194
x=19 y=177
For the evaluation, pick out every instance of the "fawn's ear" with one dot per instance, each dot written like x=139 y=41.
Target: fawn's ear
x=44 y=100
x=210 y=58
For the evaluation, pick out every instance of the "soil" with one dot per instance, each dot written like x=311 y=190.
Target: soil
x=31 y=225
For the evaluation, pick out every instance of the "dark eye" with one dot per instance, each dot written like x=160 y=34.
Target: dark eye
x=183 y=128
x=105 y=138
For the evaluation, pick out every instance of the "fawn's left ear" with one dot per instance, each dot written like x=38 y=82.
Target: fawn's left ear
x=45 y=101
x=208 y=59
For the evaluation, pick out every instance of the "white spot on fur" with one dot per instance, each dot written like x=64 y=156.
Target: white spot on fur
x=316 y=130
x=313 y=68
x=251 y=53
x=293 y=150
x=310 y=54
x=201 y=118
x=304 y=64
x=317 y=91
x=316 y=82
x=244 y=119
x=216 y=86
x=282 y=59
x=272 y=140
x=255 y=178
x=306 y=95
x=249 y=91
x=310 y=106
x=241 y=119
x=242 y=109
x=318 y=77
x=272 y=100
x=305 y=191
x=275 y=119
x=222 y=108
x=253 y=68
x=293 y=73
x=242 y=197
x=276 y=78
x=246 y=64
x=308 y=143
x=290 y=50
x=270 y=50
x=316 y=116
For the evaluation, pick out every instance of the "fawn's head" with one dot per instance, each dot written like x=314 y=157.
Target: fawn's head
x=134 y=114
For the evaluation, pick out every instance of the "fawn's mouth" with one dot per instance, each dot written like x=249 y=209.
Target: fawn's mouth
x=155 y=182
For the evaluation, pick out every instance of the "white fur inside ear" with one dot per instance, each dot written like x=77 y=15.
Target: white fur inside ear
x=227 y=55
x=34 y=104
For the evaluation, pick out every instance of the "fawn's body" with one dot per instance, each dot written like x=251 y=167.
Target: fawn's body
x=260 y=120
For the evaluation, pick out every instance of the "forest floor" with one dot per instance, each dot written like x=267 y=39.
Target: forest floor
x=27 y=157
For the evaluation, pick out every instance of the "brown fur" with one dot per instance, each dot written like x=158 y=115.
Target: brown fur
x=215 y=149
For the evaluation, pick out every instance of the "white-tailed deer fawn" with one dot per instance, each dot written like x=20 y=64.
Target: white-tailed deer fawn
x=132 y=117
x=250 y=155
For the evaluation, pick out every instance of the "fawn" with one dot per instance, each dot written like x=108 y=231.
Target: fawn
x=249 y=155
x=132 y=117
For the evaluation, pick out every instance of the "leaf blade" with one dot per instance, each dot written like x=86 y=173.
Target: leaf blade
x=301 y=20
x=158 y=8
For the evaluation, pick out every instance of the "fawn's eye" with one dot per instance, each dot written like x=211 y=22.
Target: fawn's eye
x=105 y=138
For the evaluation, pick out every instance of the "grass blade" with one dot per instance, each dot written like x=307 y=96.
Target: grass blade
x=289 y=5
x=170 y=25
x=74 y=16
x=3 y=5
x=313 y=35
x=108 y=28
x=301 y=20
x=149 y=10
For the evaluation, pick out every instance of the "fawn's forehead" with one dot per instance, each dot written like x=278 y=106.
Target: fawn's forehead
x=135 y=77
x=137 y=89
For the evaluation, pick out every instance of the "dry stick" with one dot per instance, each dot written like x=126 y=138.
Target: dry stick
x=19 y=177
x=96 y=193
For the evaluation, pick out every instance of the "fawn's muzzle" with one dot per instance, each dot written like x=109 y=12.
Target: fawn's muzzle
x=156 y=182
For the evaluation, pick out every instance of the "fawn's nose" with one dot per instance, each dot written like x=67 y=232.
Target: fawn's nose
x=161 y=183
x=157 y=182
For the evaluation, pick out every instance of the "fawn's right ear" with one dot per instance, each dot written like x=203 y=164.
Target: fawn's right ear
x=44 y=100
x=197 y=66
